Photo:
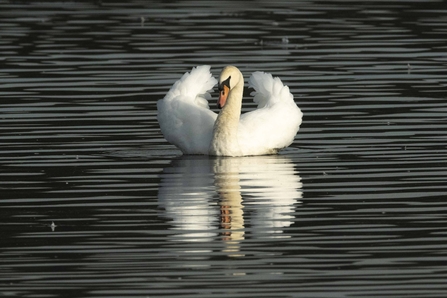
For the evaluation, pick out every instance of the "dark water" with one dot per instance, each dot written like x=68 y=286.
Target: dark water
x=95 y=203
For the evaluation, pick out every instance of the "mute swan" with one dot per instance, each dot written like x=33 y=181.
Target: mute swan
x=187 y=122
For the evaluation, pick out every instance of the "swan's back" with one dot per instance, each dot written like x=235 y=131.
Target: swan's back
x=274 y=124
x=184 y=115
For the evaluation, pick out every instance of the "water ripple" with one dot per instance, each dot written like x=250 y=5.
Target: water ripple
x=95 y=203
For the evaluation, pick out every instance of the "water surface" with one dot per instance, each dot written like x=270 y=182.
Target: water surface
x=95 y=203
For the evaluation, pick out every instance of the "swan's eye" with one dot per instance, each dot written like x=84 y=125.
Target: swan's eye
x=221 y=89
x=225 y=83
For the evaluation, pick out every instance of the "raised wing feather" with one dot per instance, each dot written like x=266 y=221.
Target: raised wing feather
x=184 y=115
x=274 y=124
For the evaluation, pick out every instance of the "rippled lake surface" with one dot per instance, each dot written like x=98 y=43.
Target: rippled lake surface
x=95 y=203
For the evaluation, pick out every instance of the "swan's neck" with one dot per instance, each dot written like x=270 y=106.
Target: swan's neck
x=225 y=133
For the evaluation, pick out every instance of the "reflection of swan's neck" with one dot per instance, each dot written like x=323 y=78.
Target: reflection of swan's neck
x=225 y=140
x=232 y=216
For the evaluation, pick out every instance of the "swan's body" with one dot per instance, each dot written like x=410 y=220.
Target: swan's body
x=187 y=122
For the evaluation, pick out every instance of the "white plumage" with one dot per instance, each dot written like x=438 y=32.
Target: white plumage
x=187 y=122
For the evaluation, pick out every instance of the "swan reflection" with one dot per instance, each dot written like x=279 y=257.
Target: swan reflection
x=229 y=198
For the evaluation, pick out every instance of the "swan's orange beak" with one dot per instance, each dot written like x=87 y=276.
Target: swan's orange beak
x=223 y=94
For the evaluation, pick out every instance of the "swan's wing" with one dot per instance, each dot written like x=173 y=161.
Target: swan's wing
x=274 y=124
x=184 y=115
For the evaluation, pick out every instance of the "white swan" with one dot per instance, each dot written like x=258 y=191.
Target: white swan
x=187 y=122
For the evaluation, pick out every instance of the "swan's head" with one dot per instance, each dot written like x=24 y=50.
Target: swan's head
x=228 y=79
